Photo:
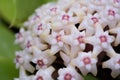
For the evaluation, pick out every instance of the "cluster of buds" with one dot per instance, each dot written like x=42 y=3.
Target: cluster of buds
x=77 y=32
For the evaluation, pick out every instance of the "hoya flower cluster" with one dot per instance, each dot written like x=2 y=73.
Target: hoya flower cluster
x=77 y=31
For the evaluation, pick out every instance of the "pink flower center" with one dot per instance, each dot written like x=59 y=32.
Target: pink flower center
x=111 y=12
x=65 y=17
x=80 y=39
x=39 y=27
x=19 y=35
x=53 y=9
x=58 y=38
x=67 y=76
x=118 y=62
x=17 y=58
x=103 y=38
x=86 y=60
x=39 y=78
x=36 y=17
x=28 y=44
x=94 y=19
x=117 y=1
x=40 y=63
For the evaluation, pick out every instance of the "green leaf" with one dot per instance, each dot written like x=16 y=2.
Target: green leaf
x=7 y=10
x=16 y=12
x=90 y=77
x=7 y=50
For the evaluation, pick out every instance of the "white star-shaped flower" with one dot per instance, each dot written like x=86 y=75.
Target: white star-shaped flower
x=69 y=73
x=110 y=16
x=31 y=42
x=42 y=59
x=54 y=10
x=86 y=63
x=57 y=38
x=101 y=41
x=43 y=12
x=78 y=39
x=89 y=23
x=21 y=36
x=114 y=64
x=64 y=19
x=41 y=28
x=56 y=41
x=23 y=59
x=75 y=39
x=44 y=74
x=32 y=20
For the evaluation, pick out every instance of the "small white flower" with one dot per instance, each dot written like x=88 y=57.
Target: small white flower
x=75 y=39
x=44 y=74
x=110 y=16
x=23 y=59
x=43 y=13
x=78 y=39
x=69 y=73
x=19 y=36
x=54 y=10
x=86 y=63
x=41 y=28
x=32 y=20
x=68 y=18
x=29 y=43
x=42 y=59
x=61 y=21
x=94 y=19
x=45 y=9
x=101 y=41
x=89 y=23
x=114 y=64
x=57 y=38
x=56 y=41
x=19 y=58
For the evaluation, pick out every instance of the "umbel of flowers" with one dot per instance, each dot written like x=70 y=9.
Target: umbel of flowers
x=66 y=29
